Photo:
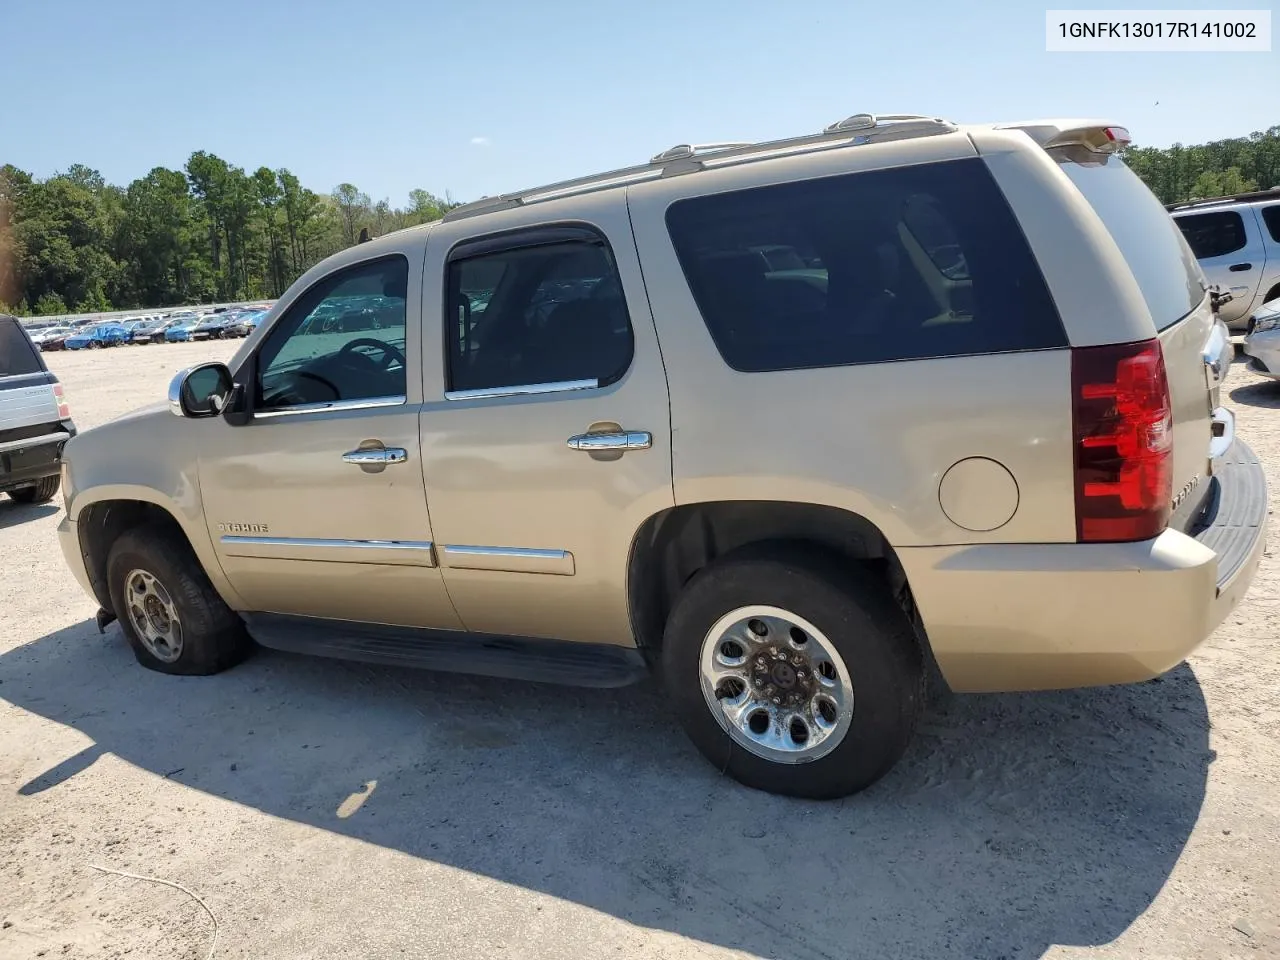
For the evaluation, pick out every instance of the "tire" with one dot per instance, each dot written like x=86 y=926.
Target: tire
x=210 y=635
x=42 y=492
x=853 y=613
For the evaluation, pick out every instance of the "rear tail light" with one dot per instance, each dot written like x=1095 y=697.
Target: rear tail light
x=64 y=411
x=1123 y=428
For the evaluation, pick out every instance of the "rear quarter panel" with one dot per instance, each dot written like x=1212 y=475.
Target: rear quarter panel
x=1093 y=286
x=873 y=439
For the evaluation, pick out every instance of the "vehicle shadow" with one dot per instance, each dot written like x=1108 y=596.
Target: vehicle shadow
x=1014 y=822
x=1260 y=393
x=13 y=513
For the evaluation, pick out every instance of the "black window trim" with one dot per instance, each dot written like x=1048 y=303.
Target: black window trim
x=522 y=238
x=247 y=373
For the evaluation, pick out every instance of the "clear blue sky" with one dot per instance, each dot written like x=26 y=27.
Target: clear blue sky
x=481 y=96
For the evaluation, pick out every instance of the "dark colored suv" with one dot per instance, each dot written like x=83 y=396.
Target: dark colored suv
x=35 y=422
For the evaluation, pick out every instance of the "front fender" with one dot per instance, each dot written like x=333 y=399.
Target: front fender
x=119 y=461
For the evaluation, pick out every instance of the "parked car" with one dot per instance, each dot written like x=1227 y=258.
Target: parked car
x=1262 y=344
x=103 y=335
x=51 y=338
x=181 y=330
x=790 y=497
x=211 y=327
x=35 y=421
x=246 y=323
x=149 y=331
x=1237 y=241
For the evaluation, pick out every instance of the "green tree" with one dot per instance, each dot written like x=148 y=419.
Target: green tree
x=208 y=231
x=49 y=305
x=63 y=239
x=353 y=208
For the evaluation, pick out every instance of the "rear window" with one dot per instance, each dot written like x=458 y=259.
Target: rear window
x=900 y=264
x=1213 y=234
x=17 y=355
x=1171 y=281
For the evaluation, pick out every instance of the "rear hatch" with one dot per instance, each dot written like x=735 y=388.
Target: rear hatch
x=29 y=402
x=1195 y=344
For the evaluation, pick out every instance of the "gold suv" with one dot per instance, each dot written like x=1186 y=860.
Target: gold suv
x=794 y=425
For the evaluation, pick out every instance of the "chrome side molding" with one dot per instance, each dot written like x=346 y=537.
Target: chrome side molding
x=421 y=553
x=508 y=559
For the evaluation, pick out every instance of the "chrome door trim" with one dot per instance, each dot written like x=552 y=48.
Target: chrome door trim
x=332 y=405
x=507 y=559
x=627 y=440
x=399 y=552
x=528 y=389
x=376 y=456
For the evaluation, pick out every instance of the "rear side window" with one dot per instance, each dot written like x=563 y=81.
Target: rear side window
x=1213 y=234
x=1271 y=217
x=901 y=264
x=1162 y=263
x=17 y=356
x=542 y=309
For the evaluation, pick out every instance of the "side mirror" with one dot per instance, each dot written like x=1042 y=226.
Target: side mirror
x=202 y=391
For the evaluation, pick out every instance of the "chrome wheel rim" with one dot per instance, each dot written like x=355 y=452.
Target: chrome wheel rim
x=776 y=684
x=153 y=615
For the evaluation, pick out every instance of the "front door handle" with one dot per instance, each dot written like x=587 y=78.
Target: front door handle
x=1240 y=267
x=376 y=456
x=628 y=440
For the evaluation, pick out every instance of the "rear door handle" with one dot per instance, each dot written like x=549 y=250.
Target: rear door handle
x=1240 y=267
x=376 y=456
x=628 y=440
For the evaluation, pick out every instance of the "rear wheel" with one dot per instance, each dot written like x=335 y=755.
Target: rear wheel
x=39 y=492
x=793 y=673
x=168 y=610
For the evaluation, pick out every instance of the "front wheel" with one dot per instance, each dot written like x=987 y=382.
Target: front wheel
x=169 y=612
x=794 y=673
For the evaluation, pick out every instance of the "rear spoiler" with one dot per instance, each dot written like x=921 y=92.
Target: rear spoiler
x=1097 y=136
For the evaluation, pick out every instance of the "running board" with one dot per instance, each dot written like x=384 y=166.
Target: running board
x=512 y=658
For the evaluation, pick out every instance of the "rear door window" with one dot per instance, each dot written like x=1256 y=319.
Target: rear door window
x=1213 y=234
x=536 y=313
x=900 y=264
x=1271 y=217
x=1162 y=263
x=17 y=356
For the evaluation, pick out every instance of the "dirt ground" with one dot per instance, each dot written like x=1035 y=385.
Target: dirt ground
x=323 y=809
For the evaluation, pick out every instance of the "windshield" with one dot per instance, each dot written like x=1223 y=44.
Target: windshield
x=1166 y=270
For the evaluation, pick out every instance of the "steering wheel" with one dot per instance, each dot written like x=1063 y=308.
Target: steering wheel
x=390 y=354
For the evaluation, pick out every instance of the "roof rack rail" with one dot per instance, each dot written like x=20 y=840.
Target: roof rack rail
x=689 y=158
x=1247 y=197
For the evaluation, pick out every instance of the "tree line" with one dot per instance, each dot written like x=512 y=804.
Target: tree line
x=209 y=232
x=1206 y=170
x=213 y=231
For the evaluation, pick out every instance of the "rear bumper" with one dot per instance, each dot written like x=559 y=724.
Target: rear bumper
x=1004 y=617
x=23 y=462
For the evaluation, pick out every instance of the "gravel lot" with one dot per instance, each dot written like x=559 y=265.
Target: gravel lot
x=323 y=809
